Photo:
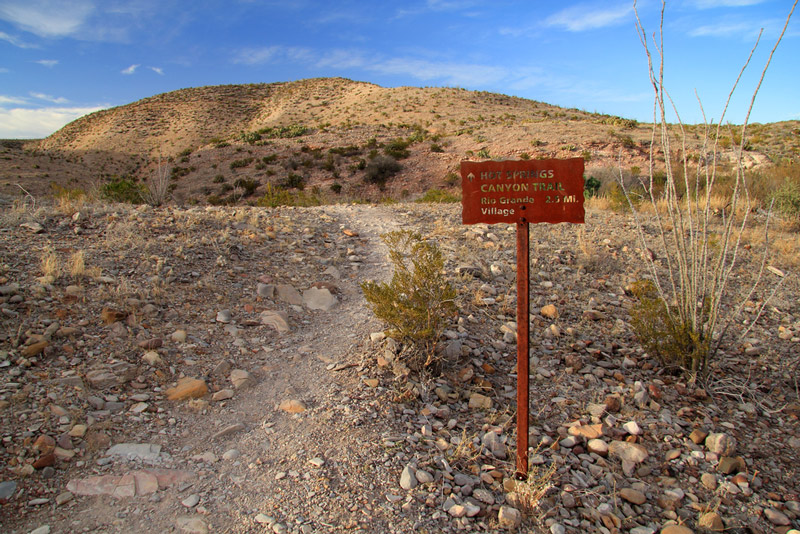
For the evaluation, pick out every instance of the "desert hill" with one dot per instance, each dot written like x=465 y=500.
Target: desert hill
x=323 y=132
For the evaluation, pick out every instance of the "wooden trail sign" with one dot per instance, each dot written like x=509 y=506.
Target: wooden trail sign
x=545 y=190
x=522 y=192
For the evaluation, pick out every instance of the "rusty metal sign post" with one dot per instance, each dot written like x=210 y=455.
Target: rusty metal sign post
x=522 y=192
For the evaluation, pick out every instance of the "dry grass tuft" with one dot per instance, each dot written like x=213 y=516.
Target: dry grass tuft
x=51 y=268
x=77 y=265
x=528 y=494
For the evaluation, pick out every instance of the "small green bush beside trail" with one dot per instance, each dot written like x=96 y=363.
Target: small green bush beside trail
x=125 y=190
x=418 y=301
x=380 y=169
x=438 y=196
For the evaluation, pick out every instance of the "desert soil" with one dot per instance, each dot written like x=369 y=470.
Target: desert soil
x=296 y=414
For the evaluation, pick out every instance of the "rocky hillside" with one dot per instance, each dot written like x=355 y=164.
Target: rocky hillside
x=324 y=133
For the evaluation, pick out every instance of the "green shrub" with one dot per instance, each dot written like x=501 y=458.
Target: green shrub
x=380 y=169
x=250 y=137
x=397 y=148
x=436 y=147
x=179 y=172
x=219 y=179
x=346 y=151
x=239 y=163
x=591 y=186
x=675 y=345
x=123 y=190
x=276 y=195
x=248 y=186
x=336 y=187
x=484 y=153
x=294 y=181
x=452 y=178
x=438 y=196
x=787 y=199
x=283 y=132
x=418 y=301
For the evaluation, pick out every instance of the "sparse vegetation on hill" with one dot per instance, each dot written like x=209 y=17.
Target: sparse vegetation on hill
x=333 y=129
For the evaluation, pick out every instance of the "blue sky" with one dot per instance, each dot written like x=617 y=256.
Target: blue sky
x=62 y=59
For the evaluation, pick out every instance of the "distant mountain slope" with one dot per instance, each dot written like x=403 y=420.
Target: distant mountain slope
x=322 y=133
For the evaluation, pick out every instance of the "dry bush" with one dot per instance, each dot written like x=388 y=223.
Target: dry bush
x=528 y=494
x=156 y=190
x=418 y=301
x=701 y=253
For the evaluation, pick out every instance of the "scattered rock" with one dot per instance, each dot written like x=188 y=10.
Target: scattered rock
x=276 y=319
x=729 y=465
x=241 y=379
x=632 y=496
x=289 y=294
x=776 y=517
x=711 y=521
x=408 y=480
x=676 y=529
x=721 y=444
x=221 y=395
x=187 y=388
x=549 y=311
x=319 y=299
x=480 y=402
x=509 y=518
x=292 y=406
x=191 y=525
x=136 y=451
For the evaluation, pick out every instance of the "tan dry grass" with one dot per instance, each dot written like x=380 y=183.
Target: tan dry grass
x=77 y=264
x=50 y=265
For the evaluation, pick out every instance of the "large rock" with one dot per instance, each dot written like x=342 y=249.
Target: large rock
x=276 y=319
x=187 y=388
x=319 y=299
x=242 y=379
x=138 y=451
x=408 y=479
x=292 y=406
x=101 y=379
x=509 y=517
x=711 y=521
x=630 y=452
x=721 y=444
x=289 y=294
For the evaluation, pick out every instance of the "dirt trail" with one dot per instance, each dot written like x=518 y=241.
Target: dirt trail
x=302 y=472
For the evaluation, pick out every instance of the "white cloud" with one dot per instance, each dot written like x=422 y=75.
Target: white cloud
x=583 y=17
x=724 y=30
x=49 y=63
x=257 y=56
x=4 y=70
x=130 y=70
x=49 y=98
x=342 y=59
x=14 y=41
x=157 y=70
x=20 y=123
x=444 y=72
x=12 y=100
x=47 y=18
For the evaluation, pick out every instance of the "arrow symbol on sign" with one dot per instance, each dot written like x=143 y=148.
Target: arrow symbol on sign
x=470 y=177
